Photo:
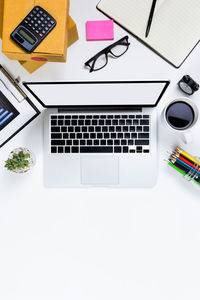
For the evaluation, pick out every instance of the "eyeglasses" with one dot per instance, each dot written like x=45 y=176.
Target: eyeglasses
x=116 y=50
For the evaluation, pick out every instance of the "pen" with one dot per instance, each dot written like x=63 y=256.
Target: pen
x=150 y=17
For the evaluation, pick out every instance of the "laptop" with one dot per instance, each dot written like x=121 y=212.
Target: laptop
x=101 y=134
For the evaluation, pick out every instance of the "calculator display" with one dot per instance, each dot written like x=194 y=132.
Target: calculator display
x=26 y=36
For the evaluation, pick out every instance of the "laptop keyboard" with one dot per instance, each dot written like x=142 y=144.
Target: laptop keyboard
x=100 y=133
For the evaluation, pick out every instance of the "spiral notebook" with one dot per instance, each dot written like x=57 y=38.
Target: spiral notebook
x=175 y=29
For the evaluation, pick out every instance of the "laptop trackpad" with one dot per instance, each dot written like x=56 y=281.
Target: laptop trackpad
x=99 y=170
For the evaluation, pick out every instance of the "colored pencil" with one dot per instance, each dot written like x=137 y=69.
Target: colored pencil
x=185 y=164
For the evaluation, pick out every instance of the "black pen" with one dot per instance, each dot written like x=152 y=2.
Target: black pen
x=150 y=17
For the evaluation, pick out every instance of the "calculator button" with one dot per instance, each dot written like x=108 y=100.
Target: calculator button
x=38 y=15
x=40 y=11
x=40 y=28
x=44 y=15
x=46 y=28
x=40 y=34
x=48 y=19
x=36 y=8
x=45 y=22
x=43 y=31
x=36 y=25
x=33 y=28
x=39 y=22
x=49 y=25
x=31 y=15
x=42 y=25
x=25 y=21
x=42 y=19
x=52 y=22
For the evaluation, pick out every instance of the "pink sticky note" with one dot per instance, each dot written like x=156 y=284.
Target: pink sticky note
x=99 y=30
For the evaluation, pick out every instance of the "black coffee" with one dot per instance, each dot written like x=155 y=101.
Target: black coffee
x=180 y=115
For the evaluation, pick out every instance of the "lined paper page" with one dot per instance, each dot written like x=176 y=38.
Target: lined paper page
x=175 y=28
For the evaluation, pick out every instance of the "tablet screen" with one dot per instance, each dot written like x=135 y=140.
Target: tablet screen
x=7 y=111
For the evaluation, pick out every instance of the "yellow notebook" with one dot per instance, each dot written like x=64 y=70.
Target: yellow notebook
x=175 y=29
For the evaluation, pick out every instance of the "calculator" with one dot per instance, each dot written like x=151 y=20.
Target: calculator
x=33 y=29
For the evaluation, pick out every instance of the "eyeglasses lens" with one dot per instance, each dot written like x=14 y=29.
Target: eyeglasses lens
x=120 y=49
x=100 y=62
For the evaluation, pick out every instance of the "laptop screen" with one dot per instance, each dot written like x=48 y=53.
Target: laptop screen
x=109 y=93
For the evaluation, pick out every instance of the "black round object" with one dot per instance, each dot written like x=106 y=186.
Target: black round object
x=180 y=115
x=188 y=85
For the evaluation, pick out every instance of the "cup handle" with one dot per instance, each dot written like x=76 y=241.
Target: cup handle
x=187 y=137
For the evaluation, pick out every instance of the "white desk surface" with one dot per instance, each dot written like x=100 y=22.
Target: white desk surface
x=94 y=243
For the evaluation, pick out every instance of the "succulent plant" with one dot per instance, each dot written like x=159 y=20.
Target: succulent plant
x=18 y=161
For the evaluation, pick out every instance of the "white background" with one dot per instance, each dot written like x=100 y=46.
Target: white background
x=101 y=243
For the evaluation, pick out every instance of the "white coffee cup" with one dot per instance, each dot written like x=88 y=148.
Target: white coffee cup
x=174 y=117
